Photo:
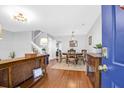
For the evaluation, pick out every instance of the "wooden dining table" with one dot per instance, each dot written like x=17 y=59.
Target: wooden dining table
x=77 y=54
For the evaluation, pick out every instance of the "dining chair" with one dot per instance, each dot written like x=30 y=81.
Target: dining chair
x=84 y=55
x=61 y=57
x=58 y=55
x=82 y=58
x=71 y=57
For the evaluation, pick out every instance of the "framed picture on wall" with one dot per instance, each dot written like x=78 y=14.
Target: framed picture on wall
x=90 y=40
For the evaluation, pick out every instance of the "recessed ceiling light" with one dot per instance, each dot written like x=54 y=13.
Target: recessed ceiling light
x=82 y=24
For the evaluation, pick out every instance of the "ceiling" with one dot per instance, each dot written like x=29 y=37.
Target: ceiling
x=53 y=19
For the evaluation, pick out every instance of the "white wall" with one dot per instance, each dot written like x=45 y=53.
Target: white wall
x=96 y=33
x=52 y=48
x=15 y=41
x=22 y=43
x=6 y=45
x=65 y=42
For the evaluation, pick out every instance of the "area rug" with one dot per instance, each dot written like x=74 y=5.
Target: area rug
x=75 y=67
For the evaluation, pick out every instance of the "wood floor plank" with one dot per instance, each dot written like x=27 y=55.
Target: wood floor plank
x=63 y=79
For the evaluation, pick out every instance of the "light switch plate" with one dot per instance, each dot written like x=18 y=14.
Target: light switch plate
x=105 y=52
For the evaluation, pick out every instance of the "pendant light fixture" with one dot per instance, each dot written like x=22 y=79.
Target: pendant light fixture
x=73 y=42
x=72 y=36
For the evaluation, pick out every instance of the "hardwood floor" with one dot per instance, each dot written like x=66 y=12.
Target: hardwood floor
x=63 y=79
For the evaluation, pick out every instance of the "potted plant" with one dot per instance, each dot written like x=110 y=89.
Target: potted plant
x=98 y=48
x=12 y=54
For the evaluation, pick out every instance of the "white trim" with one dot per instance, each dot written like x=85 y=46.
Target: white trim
x=119 y=64
x=37 y=35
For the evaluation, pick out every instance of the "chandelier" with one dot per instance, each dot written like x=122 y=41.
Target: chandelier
x=73 y=42
x=20 y=17
x=72 y=36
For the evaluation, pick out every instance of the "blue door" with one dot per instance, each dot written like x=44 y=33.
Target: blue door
x=113 y=41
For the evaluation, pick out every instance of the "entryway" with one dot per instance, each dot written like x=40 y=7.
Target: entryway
x=57 y=78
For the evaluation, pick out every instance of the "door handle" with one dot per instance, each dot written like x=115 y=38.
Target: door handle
x=103 y=68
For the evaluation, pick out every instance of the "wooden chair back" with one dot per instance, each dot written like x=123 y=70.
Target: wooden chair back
x=71 y=53
x=84 y=54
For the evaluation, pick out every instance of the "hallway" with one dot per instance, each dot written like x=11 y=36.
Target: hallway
x=63 y=79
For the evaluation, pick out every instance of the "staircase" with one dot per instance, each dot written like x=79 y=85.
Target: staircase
x=50 y=46
x=35 y=44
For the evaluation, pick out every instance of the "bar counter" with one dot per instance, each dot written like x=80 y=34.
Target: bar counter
x=15 y=71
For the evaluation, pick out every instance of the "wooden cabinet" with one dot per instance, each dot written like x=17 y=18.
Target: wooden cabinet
x=14 y=72
x=94 y=60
